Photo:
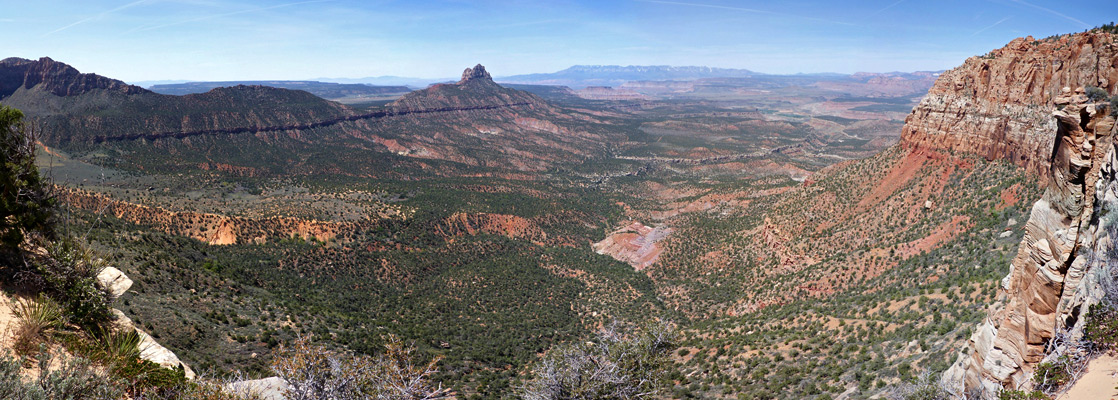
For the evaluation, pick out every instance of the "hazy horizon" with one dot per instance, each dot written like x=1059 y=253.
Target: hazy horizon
x=196 y=40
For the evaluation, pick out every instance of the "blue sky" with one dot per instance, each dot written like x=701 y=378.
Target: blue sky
x=226 y=40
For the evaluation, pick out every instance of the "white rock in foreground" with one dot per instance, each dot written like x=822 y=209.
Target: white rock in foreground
x=115 y=281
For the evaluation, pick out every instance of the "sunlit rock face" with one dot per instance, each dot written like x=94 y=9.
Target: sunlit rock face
x=1025 y=103
x=999 y=105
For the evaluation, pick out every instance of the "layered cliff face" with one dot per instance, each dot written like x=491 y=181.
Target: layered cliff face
x=1018 y=104
x=998 y=105
x=55 y=77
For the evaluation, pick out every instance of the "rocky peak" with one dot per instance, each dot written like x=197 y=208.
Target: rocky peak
x=54 y=77
x=476 y=73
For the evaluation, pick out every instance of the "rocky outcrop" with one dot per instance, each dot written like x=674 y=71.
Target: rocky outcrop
x=1025 y=103
x=54 y=77
x=476 y=89
x=494 y=224
x=998 y=105
x=477 y=72
x=1049 y=288
x=114 y=281
x=635 y=244
x=210 y=228
x=150 y=350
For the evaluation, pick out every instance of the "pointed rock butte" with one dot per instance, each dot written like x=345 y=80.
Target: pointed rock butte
x=475 y=73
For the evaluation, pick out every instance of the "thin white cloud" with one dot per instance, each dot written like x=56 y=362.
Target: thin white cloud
x=991 y=26
x=1053 y=12
x=743 y=9
x=886 y=8
x=98 y=16
x=252 y=10
x=676 y=3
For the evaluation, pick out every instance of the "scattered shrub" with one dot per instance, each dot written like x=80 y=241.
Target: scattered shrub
x=70 y=274
x=1102 y=326
x=1096 y=94
x=314 y=372
x=73 y=379
x=116 y=346
x=613 y=366
x=923 y=388
x=1049 y=376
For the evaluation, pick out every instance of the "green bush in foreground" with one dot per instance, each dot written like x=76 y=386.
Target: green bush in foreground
x=25 y=203
x=1102 y=326
x=1049 y=376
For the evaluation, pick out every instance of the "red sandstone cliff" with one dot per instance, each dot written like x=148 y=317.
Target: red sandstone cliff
x=998 y=105
x=1025 y=103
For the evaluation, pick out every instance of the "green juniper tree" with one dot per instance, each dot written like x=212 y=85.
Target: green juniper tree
x=25 y=203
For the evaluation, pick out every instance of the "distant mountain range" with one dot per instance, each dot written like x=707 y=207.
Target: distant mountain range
x=326 y=90
x=612 y=75
x=389 y=80
x=575 y=77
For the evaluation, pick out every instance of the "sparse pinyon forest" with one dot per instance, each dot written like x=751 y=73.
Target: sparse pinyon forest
x=747 y=237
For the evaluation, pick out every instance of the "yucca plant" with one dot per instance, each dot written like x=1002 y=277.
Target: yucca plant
x=38 y=320
x=116 y=346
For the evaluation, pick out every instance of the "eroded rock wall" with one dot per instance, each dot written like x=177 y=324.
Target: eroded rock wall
x=1044 y=291
x=998 y=105
x=1025 y=103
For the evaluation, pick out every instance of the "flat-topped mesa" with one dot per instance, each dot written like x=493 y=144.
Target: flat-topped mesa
x=476 y=73
x=998 y=105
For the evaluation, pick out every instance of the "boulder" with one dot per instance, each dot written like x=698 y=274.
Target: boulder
x=114 y=281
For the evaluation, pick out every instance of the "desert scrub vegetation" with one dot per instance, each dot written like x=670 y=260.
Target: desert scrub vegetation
x=314 y=372
x=895 y=312
x=1100 y=95
x=73 y=378
x=68 y=311
x=613 y=365
x=922 y=388
x=67 y=377
x=41 y=330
